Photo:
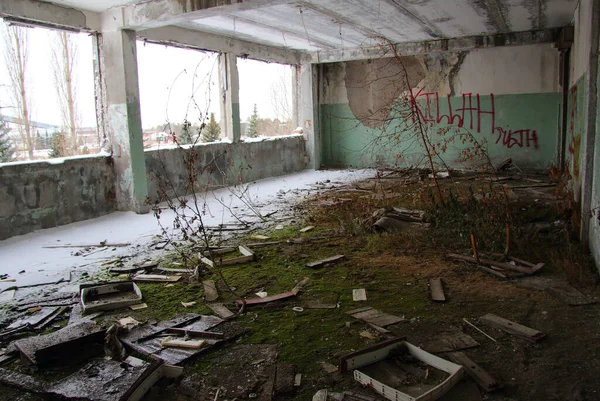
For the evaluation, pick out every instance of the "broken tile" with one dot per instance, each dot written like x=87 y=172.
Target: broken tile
x=359 y=295
x=374 y=316
x=210 y=290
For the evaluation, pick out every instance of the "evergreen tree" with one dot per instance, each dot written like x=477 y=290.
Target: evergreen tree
x=186 y=133
x=212 y=131
x=58 y=145
x=7 y=149
x=253 y=126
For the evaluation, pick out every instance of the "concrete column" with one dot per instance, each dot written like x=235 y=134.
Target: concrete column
x=124 y=124
x=308 y=113
x=230 y=95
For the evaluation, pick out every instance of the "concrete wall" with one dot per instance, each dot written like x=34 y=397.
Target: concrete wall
x=583 y=151
x=505 y=98
x=220 y=164
x=47 y=194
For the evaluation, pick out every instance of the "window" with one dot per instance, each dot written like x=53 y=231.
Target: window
x=47 y=102
x=266 y=106
x=178 y=92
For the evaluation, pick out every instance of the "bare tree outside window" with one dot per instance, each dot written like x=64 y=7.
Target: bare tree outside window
x=15 y=58
x=64 y=63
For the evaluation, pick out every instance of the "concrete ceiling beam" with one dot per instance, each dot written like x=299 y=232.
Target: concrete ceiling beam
x=297 y=34
x=403 y=8
x=188 y=38
x=342 y=19
x=496 y=15
x=159 y=13
x=44 y=14
x=437 y=46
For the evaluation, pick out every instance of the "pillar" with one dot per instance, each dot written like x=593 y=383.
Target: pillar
x=230 y=96
x=308 y=116
x=123 y=118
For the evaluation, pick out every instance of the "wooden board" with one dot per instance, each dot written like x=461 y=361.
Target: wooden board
x=481 y=377
x=210 y=290
x=272 y=298
x=512 y=327
x=322 y=262
x=374 y=316
x=436 y=289
x=450 y=341
x=156 y=278
x=221 y=310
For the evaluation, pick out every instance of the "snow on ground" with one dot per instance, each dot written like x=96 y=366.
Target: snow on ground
x=41 y=265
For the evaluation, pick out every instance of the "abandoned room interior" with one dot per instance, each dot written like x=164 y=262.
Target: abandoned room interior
x=299 y=200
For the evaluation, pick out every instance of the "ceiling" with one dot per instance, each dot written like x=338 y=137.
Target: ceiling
x=313 y=25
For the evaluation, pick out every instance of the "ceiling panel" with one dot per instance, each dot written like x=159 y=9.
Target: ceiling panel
x=306 y=22
x=238 y=28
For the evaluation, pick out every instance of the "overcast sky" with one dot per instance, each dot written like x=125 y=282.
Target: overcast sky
x=169 y=78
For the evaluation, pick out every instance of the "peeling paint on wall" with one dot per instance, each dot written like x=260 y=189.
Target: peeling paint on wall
x=374 y=126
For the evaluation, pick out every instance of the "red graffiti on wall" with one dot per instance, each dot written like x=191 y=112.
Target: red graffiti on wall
x=521 y=138
x=429 y=108
x=471 y=113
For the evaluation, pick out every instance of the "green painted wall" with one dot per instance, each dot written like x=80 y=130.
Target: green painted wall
x=347 y=142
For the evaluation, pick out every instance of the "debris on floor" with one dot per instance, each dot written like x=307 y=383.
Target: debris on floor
x=481 y=377
x=210 y=290
x=374 y=316
x=323 y=262
x=72 y=343
x=436 y=290
x=512 y=327
x=247 y=256
x=359 y=294
x=398 y=370
x=394 y=219
x=110 y=296
x=501 y=269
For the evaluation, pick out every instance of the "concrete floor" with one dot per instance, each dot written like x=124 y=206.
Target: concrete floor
x=29 y=261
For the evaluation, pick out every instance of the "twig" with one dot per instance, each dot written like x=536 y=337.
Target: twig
x=479 y=330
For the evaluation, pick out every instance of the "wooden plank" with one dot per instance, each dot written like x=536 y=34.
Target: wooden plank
x=221 y=310
x=210 y=290
x=512 y=327
x=375 y=317
x=272 y=298
x=322 y=262
x=306 y=229
x=156 y=278
x=437 y=290
x=318 y=305
x=237 y=261
x=179 y=343
x=196 y=333
x=481 y=377
x=298 y=287
x=359 y=294
x=506 y=266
